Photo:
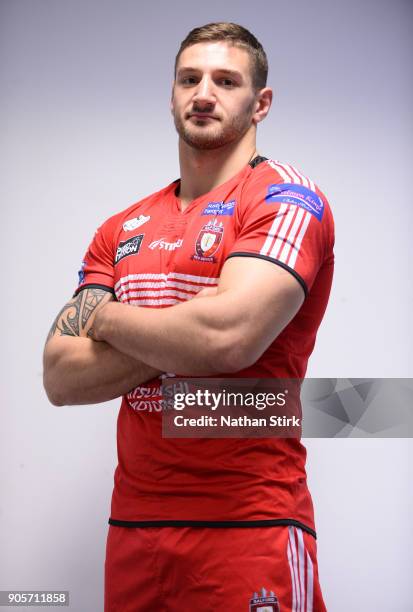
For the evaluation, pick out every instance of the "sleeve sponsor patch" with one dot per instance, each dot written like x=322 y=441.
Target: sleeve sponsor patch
x=291 y=193
x=81 y=273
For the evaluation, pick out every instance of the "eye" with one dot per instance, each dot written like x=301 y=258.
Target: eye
x=226 y=82
x=188 y=80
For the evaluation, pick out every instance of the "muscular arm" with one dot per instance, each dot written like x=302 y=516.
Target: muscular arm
x=223 y=333
x=78 y=370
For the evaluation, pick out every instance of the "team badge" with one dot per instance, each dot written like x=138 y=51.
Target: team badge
x=264 y=602
x=132 y=224
x=208 y=241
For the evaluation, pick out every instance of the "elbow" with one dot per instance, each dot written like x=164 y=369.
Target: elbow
x=55 y=400
x=53 y=391
x=53 y=378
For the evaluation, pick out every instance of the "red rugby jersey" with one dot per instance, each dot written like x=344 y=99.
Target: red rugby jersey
x=153 y=255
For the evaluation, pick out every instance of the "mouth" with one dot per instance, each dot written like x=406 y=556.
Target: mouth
x=202 y=116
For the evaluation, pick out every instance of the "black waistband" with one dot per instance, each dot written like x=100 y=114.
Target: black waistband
x=214 y=524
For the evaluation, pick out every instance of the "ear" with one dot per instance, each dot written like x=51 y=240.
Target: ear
x=171 y=103
x=263 y=104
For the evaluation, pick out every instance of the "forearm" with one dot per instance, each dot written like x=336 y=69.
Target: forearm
x=218 y=334
x=80 y=371
x=186 y=339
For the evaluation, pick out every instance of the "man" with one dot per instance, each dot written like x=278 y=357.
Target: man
x=204 y=524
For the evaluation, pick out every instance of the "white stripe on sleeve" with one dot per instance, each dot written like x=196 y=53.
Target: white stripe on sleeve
x=278 y=244
x=279 y=217
x=297 y=243
x=291 y=236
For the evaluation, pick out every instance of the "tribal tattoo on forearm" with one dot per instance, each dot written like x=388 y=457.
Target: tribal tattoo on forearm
x=75 y=317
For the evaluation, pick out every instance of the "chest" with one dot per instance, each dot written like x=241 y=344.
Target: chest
x=164 y=257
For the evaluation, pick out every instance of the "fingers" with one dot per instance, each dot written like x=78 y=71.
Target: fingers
x=208 y=291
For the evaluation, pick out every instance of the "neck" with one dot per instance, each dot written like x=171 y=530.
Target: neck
x=203 y=170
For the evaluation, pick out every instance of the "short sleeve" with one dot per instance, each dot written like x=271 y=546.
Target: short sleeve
x=97 y=268
x=286 y=223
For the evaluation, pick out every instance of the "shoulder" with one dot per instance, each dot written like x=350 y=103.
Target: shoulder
x=136 y=214
x=274 y=181
x=273 y=171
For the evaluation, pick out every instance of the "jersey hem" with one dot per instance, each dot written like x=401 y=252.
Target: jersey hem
x=215 y=524
x=279 y=263
x=94 y=286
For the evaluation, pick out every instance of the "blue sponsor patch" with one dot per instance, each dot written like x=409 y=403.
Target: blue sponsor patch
x=290 y=193
x=81 y=273
x=220 y=208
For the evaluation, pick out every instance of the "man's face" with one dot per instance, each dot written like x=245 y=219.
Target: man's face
x=213 y=100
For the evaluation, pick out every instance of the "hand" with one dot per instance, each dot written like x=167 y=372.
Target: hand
x=101 y=322
x=207 y=292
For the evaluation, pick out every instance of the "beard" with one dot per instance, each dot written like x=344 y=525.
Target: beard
x=209 y=137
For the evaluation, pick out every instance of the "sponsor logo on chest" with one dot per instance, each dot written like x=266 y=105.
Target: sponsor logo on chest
x=128 y=247
x=167 y=246
x=220 y=208
x=132 y=224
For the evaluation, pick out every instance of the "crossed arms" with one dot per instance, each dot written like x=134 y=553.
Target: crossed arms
x=98 y=349
x=78 y=370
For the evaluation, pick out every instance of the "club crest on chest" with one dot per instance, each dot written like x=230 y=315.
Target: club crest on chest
x=208 y=241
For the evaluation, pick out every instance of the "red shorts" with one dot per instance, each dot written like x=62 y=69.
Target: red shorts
x=186 y=569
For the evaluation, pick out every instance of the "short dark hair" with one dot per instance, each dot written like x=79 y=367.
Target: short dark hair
x=235 y=35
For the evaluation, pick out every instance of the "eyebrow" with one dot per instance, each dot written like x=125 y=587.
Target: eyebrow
x=233 y=73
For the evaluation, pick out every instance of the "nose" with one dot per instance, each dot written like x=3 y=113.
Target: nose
x=204 y=95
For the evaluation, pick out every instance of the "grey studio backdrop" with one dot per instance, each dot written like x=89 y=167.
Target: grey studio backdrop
x=86 y=131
